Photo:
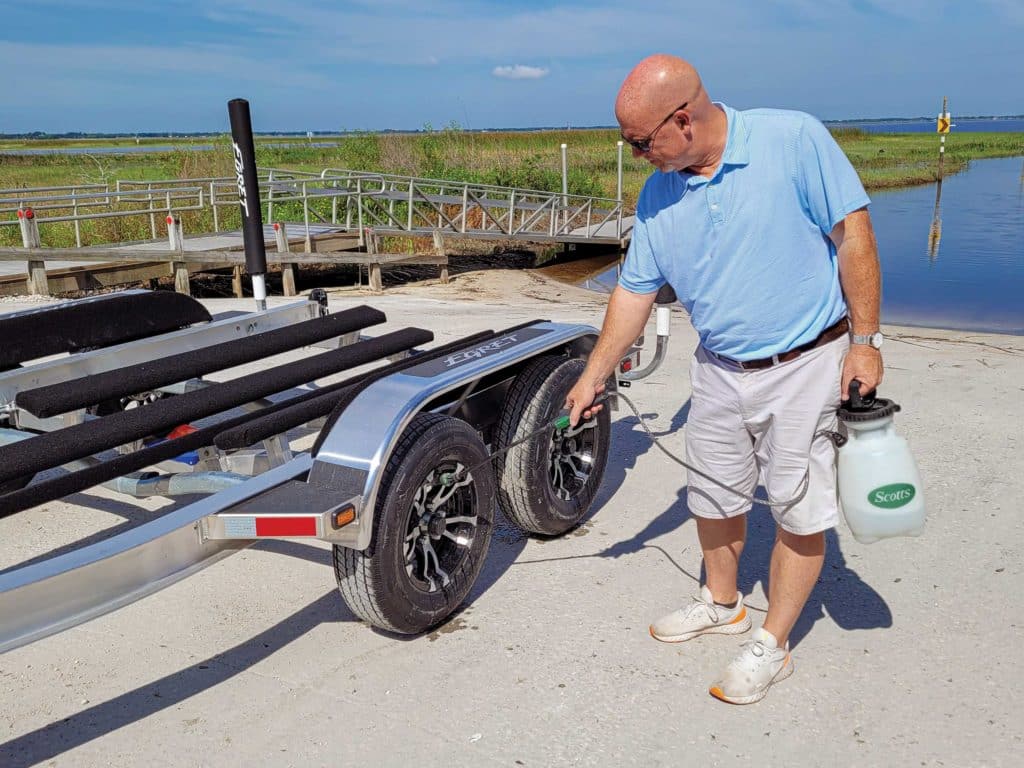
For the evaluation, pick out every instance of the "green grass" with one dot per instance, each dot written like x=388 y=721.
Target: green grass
x=904 y=159
x=523 y=159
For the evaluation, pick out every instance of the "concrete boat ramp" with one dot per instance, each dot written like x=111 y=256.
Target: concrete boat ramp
x=907 y=654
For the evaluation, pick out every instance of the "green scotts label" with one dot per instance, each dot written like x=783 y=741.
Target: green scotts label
x=892 y=496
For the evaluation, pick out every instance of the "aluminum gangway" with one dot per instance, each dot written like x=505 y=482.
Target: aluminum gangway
x=313 y=205
x=352 y=200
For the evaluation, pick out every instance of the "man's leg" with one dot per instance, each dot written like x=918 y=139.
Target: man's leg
x=718 y=445
x=721 y=541
x=796 y=564
x=719 y=609
x=795 y=401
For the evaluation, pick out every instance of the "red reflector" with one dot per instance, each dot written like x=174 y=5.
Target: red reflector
x=277 y=226
x=286 y=526
x=627 y=365
x=170 y=219
x=181 y=431
x=29 y=213
x=21 y=214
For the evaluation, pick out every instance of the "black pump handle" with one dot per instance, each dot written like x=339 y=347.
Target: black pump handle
x=860 y=402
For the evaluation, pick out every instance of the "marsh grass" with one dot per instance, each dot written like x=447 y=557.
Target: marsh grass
x=529 y=160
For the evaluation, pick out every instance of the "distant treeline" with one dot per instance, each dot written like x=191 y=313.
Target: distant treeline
x=42 y=135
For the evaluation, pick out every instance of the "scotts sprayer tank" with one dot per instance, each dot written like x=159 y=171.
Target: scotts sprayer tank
x=879 y=485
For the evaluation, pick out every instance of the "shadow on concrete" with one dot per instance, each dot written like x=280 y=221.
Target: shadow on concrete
x=840 y=592
x=51 y=740
x=629 y=443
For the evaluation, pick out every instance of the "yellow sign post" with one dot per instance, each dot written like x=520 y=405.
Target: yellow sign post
x=942 y=127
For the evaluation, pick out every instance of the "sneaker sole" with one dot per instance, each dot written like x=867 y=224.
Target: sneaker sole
x=739 y=625
x=787 y=669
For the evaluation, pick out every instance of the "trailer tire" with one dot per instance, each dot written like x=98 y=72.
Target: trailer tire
x=535 y=489
x=406 y=587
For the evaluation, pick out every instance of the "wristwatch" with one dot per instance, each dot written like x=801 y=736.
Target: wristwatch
x=872 y=339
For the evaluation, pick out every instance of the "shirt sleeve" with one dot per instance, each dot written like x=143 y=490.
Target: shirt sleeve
x=640 y=273
x=829 y=185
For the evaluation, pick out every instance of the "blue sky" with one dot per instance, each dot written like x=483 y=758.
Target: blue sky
x=135 y=65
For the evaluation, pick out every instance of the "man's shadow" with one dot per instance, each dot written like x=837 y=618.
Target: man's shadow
x=629 y=441
x=840 y=592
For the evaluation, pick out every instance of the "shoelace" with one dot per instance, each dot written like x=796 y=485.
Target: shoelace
x=710 y=608
x=756 y=647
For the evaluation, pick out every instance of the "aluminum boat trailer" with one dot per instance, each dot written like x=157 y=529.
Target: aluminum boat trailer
x=417 y=447
x=108 y=388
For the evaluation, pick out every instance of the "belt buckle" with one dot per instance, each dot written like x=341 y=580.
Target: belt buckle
x=729 y=361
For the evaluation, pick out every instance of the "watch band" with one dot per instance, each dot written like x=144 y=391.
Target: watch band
x=871 y=339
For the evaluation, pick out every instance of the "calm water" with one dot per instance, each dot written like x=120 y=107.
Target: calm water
x=973 y=277
x=962 y=125
x=970 y=277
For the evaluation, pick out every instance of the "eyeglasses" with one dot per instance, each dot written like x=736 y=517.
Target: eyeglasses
x=644 y=145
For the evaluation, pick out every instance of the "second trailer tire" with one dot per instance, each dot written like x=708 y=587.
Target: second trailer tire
x=429 y=539
x=547 y=484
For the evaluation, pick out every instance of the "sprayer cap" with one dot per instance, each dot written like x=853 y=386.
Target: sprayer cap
x=861 y=408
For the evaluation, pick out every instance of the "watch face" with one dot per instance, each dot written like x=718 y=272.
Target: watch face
x=876 y=340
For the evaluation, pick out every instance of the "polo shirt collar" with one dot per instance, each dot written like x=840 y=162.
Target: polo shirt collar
x=736 y=150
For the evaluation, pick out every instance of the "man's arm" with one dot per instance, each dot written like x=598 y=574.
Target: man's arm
x=860 y=279
x=624 y=321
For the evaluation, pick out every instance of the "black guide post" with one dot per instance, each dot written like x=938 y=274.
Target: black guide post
x=249 y=198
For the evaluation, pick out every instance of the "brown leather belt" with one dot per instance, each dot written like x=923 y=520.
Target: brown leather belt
x=831 y=333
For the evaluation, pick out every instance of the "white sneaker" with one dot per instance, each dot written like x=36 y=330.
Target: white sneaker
x=701 y=617
x=748 y=677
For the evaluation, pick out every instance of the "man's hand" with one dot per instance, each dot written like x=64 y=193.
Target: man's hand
x=580 y=398
x=863 y=363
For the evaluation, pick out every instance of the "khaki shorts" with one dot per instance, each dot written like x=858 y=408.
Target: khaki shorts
x=747 y=427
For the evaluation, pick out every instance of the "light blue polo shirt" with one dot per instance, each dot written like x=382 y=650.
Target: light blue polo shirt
x=747 y=251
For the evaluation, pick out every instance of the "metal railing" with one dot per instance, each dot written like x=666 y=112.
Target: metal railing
x=346 y=199
x=407 y=204
x=98 y=202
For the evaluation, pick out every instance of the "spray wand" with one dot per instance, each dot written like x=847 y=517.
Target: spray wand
x=560 y=423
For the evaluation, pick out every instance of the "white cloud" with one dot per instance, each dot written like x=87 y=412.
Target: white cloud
x=520 y=72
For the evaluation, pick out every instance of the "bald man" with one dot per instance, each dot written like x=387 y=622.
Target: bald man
x=759 y=223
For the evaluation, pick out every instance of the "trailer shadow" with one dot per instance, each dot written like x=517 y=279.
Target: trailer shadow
x=55 y=738
x=51 y=740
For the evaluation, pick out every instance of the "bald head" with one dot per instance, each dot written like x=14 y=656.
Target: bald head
x=653 y=89
x=656 y=85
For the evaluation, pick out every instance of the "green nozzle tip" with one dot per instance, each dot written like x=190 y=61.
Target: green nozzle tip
x=562 y=422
